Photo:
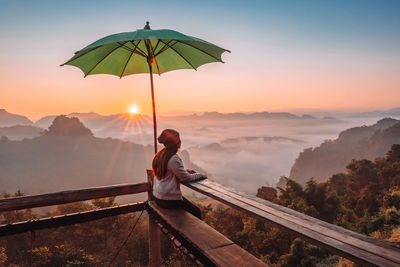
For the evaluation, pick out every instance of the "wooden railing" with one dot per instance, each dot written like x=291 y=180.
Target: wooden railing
x=338 y=240
x=354 y=246
x=69 y=219
x=63 y=197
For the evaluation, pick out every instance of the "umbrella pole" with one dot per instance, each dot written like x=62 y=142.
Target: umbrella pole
x=154 y=109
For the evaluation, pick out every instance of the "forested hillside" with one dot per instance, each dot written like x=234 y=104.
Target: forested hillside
x=332 y=156
x=69 y=156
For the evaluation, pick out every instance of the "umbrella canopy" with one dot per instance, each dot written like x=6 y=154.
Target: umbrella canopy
x=145 y=51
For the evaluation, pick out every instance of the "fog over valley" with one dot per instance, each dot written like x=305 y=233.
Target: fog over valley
x=243 y=151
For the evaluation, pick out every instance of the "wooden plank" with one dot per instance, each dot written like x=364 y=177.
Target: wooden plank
x=372 y=245
x=69 y=219
x=313 y=234
x=306 y=234
x=391 y=252
x=215 y=246
x=154 y=232
x=26 y=202
x=233 y=255
x=206 y=237
x=347 y=233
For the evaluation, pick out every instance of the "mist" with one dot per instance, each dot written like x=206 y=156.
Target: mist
x=246 y=154
x=243 y=151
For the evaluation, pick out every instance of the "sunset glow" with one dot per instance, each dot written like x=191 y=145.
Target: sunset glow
x=133 y=110
x=285 y=57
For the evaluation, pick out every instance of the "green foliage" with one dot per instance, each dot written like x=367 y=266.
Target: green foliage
x=225 y=220
x=314 y=200
x=302 y=254
x=260 y=239
x=63 y=255
x=365 y=199
x=394 y=153
x=385 y=219
x=392 y=199
x=358 y=200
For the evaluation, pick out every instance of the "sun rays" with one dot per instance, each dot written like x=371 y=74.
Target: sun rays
x=132 y=123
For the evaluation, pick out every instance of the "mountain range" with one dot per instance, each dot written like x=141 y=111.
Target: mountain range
x=129 y=127
x=69 y=156
x=242 y=116
x=96 y=121
x=394 y=112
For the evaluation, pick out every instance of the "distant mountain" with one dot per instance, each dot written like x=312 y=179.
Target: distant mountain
x=105 y=125
x=45 y=122
x=244 y=116
x=332 y=156
x=266 y=139
x=19 y=132
x=68 y=156
x=9 y=119
x=394 y=112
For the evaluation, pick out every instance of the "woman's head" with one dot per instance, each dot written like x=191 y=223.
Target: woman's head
x=171 y=141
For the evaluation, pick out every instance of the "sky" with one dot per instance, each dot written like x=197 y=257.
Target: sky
x=285 y=56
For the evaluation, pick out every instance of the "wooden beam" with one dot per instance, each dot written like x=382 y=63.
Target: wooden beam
x=154 y=232
x=25 y=202
x=357 y=247
x=69 y=219
x=207 y=244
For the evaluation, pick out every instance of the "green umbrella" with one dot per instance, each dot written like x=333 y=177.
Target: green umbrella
x=145 y=51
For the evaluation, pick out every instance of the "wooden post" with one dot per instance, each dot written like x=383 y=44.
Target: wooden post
x=154 y=232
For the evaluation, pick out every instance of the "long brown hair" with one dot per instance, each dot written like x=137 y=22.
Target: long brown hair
x=171 y=141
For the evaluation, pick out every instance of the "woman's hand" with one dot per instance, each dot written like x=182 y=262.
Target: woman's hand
x=203 y=177
x=191 y=171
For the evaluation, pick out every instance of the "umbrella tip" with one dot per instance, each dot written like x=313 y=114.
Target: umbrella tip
x=147 y=27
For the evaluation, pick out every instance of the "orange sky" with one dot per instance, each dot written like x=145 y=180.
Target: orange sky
x=57 y=90
x=292 y=64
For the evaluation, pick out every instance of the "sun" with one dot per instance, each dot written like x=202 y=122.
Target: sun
x=133 y=110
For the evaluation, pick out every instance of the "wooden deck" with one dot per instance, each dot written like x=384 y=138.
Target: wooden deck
x=218 y=249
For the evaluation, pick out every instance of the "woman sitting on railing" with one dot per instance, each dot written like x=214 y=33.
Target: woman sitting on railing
x=169 y=173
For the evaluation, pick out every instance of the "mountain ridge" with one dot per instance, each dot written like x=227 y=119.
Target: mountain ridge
x=10 y=119
x=332 y=156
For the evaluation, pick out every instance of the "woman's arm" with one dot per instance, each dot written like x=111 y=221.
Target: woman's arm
x=176 y=166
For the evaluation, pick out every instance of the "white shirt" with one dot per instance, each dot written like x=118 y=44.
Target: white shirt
x=168 y=188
